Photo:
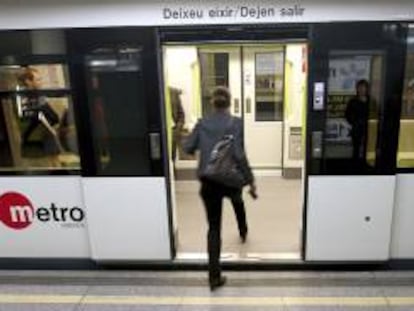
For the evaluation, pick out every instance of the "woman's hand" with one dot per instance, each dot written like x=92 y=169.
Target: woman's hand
x=253 y=190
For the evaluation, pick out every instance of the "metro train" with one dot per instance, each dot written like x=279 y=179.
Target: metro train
x=98 y=97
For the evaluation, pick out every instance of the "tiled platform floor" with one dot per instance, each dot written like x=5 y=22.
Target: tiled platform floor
x=187 y=291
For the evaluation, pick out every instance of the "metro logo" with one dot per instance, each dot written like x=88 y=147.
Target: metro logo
x=17 y=212
x=21 y=213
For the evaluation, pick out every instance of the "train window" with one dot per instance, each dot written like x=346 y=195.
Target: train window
x=214 y=72
x=38 y=130
x=354 y=94
x=269 y=86
x=118 y=111
x=47 y=77
x=405 y=155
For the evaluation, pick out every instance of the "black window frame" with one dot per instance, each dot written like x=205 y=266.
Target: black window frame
x=42 y=59
x=372 y=36
x=82 y=42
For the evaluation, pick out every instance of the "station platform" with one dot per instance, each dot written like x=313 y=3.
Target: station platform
x=187 y=291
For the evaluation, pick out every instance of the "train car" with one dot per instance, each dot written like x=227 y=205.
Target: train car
x=98 y=97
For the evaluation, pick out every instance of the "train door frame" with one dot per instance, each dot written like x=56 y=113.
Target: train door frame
x=279 y=33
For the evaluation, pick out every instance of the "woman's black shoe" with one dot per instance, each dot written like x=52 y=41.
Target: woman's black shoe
x=243 y=237
x=217 y=283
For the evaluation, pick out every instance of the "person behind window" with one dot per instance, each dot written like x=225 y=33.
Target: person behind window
x=99 y=117
x=67 y=132
x=409 y=100
x=178 y=117
x=205 y=135
x=39 y=113
x=357 y=114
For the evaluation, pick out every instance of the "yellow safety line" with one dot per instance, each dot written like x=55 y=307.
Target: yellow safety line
x=127 y=300
x=51 y=299
x=401 y=301
x=339 y=301
x=213 y=300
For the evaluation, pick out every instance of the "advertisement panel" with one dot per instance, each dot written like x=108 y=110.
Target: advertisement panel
x=344 y=73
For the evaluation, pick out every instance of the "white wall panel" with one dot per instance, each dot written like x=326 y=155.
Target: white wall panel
x=337 y=225
x=128 y=218
x=402 y=244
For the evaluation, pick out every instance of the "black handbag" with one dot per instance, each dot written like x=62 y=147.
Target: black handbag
x=222 y=166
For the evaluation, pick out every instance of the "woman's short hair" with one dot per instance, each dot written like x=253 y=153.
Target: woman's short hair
x=221 y=97
x=363 y=82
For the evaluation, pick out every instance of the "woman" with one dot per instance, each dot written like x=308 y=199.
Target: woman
x=357 y=114
x=205 y=135
x=39 y=113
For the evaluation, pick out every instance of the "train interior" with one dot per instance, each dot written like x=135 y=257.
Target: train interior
x=27 y=141
x=268 y=85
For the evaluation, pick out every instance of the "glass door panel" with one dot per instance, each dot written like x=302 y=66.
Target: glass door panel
x=118 y=111
x=263 y=105
x=220 y=66
x=352 y=129
x=354 y=101
x=114 y=73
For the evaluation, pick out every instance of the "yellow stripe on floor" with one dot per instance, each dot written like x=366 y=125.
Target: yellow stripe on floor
x=213 y=300
x=51 y=299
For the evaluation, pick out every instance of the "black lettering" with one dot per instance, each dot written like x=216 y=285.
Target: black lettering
x=166 y=13
x=299 y=10
x=252 y=12
x=63 y=211
x=271 y=12
x=296 y=10
x=212 y=13
x=244 y=11
x=76 y=214
x=43 y=214
x=182 y=13
x=226 y=12
x=53 y=208
x=261 y=13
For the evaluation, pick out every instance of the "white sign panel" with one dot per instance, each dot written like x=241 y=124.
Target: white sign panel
x=128 y=218
x=25 y=14
x=269 y=63
x=42 y=217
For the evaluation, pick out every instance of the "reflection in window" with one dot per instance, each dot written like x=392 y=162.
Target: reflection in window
x=354 y=90
x=214 y=72
x=405 y=155
x=269 y=86
x=118 y=111
x=37 y=129
x=47 y=77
